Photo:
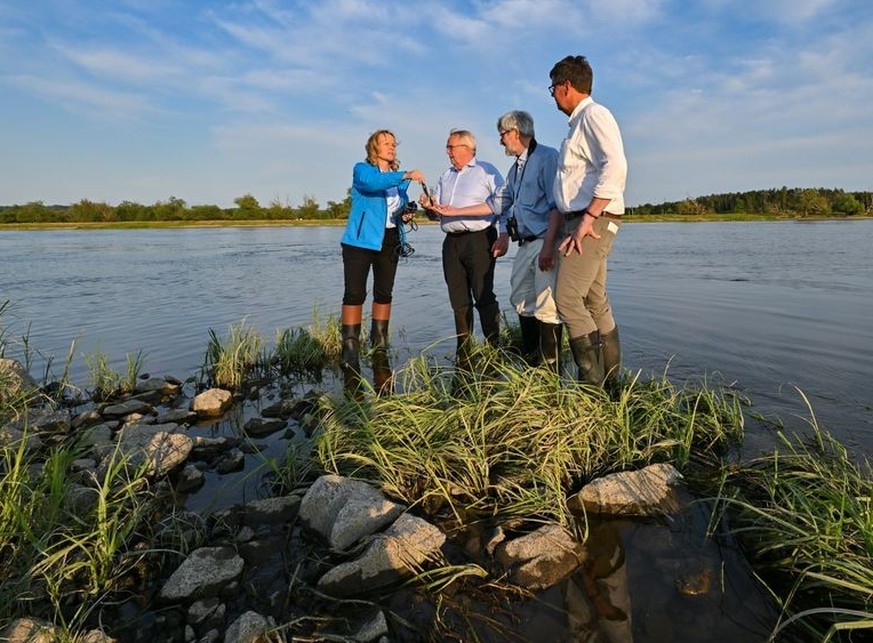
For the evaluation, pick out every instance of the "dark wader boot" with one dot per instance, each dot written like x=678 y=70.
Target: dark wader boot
x=611 y=358
x=588 y=355
x=489 y=318
x=530 y=338
x=351 y=333
x=464 y=331
x=383 y=381
x=550 y=345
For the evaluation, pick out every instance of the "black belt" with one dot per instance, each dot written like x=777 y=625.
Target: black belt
x=572 y=214
x=525 y=240
x=461 y=233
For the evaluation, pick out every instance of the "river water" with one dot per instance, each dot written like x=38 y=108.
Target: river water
x=772 y=307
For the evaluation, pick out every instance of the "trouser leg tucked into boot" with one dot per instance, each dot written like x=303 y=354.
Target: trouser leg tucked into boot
x=489 y=318
x=611 y=356
x=530 y=338
x=588 y=355
x=464 y=331
x=550 y=345
x=351 y=334
x=382 y=373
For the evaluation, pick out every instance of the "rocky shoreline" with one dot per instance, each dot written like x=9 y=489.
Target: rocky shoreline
x=332 y=558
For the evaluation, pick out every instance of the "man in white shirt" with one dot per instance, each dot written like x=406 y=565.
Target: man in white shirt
x=589 y=192
x=472 y=243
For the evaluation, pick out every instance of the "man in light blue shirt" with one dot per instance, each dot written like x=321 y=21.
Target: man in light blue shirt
x=527 y=204
x=471 y=246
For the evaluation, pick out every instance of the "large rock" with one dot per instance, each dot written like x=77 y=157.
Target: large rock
x=127 y=407
x=392 y=556
x=249 y=628
x=541 y=558
x=203 y=574
x=259 y=427
x=212 y=403
x=343 y=511
x=30 y=630
x=161 y=446
x=647 y=492
x=14 y=379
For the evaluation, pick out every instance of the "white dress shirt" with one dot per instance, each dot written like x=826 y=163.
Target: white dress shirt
x=591 y=161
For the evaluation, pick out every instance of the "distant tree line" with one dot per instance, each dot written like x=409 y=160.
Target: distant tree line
x=778 y=201
x=175 y=209
x=789 y=202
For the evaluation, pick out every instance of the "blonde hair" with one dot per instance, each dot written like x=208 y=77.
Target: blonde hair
x=372 y=151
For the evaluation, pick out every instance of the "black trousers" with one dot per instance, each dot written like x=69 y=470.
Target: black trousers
x=356 y=268
x=468 y=268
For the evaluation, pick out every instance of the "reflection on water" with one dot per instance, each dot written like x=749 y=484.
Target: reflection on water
x=770 y=306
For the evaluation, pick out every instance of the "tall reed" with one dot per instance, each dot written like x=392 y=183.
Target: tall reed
x=228 y=362
x=67 y=541
x=504 y=441
x=805 y=514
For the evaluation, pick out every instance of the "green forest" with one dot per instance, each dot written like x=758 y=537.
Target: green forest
x=778 y=202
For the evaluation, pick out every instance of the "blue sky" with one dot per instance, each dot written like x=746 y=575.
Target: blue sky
x=143 y=100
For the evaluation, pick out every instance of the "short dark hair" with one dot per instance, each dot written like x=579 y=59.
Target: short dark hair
x=575 y=69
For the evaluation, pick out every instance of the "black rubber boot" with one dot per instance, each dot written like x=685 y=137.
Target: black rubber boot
x=530 y=338
x=350 y=363
x=611 y=357
x=550 y=345
x=464 y=331
x=383 y=381
x=588 y=355
x=489 y=318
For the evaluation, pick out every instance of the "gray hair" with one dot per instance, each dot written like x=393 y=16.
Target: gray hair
x=466 y=136
x=517 y=120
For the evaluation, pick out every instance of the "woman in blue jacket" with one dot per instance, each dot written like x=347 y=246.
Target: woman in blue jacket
x=372 y=239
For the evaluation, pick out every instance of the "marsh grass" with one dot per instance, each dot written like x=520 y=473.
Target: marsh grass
x=106 y=382
x=805 y=514
x=306 y=352
x=229 y=361
x=502 y=442
x=67 y=541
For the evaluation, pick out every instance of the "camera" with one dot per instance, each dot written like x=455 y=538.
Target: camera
x=408 y=211
x=512 y=228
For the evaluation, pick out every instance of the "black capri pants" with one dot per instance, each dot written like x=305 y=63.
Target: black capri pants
x=356 y=269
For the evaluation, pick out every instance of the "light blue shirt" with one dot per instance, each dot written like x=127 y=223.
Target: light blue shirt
x=527 y=194
x=475 y=183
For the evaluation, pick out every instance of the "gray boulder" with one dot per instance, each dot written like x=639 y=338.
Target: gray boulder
x=343 y=510
x=248 y=628
x=203 y=574
x=212 y=403
x=14 y=379
x=647 y=492
x=389 y=558
x=160 y=447
x=542 y=558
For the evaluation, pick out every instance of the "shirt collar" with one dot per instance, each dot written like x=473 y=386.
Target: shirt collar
x=470 y=163
x=585 y=102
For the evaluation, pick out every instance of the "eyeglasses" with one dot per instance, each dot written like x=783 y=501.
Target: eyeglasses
x=504 y=133
x=451 y=147
x=553 y=86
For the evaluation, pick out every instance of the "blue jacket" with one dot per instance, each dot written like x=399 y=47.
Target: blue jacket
x=366 y=226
